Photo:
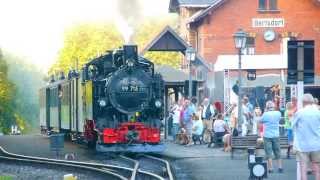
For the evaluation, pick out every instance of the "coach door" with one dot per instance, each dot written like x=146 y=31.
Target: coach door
x=54 y=109
x=74 y=105
x=43 y=108
x=65 y=106
x=80 y=107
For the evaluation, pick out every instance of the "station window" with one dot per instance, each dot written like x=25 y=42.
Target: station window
x=273 y=5
x=250 y=48
x=268 y=5
x=262 y=4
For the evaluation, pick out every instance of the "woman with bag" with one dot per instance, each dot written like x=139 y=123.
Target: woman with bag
x=234 y=120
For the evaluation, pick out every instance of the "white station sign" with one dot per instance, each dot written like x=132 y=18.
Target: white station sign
x=267 y=22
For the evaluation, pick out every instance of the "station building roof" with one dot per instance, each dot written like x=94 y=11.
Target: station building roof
x=175 y=4
x=169 y=40
x=198 y=16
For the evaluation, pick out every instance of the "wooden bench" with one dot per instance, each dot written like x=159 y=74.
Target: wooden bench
x=250 y=141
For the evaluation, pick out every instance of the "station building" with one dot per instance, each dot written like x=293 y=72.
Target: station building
x=209 y=25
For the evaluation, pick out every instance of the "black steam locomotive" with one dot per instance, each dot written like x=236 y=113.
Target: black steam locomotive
x=114 y=104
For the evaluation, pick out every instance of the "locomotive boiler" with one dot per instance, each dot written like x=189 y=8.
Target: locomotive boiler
x=114 y=104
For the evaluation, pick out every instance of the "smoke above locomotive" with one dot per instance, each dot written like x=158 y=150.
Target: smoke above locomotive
x=116 y=99
x=129 y=17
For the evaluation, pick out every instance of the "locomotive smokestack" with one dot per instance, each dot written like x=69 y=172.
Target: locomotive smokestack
x=130 y=52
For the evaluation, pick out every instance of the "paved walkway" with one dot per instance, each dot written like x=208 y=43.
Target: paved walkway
x=198 y=162
x=194 y=151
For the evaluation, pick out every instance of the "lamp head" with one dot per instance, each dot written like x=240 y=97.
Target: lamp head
x=190 y=54
x=240 y=39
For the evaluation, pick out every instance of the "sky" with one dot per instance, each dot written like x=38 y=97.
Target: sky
x=34 y=29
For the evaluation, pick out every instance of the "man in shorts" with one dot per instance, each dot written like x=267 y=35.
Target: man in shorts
x=306 y=127
x=270 y=119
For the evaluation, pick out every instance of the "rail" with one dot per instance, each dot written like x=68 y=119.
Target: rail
x=11 y=157
x=106 y=168
x=135 y=168
x=168 y=167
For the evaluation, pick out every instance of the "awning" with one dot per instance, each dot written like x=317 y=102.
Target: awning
x=169 y=40
x=231 y=62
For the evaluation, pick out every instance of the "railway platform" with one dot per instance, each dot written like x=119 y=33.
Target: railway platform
x=178 y=151
x=198 y=162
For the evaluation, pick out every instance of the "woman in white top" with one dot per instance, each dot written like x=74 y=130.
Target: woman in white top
x=256 y=119
x=221 y=129
x=175 y=113
x=219 y=126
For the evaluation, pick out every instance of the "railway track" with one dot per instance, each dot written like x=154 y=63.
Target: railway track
x=165 y=171
x=108 y=170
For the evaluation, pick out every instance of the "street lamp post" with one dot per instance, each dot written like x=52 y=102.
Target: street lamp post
x=191 y=56
x=240 y=39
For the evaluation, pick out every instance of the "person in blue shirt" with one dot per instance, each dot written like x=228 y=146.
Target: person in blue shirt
x=188 y=112
x=306 y=128
x=270 y=119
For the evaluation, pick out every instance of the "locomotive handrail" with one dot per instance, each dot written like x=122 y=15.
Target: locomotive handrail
x=148 y=62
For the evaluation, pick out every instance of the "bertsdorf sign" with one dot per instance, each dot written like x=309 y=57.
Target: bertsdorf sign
x=267 y=22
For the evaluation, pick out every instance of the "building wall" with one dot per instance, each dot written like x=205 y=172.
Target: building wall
x=301 y=17
x=184 y=31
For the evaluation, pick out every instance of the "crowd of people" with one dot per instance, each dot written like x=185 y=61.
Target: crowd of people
x=204 y=122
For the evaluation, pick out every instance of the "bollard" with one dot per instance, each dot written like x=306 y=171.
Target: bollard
x=251 y=157
x=56 y=143
x=258 y=170
x=259 y=159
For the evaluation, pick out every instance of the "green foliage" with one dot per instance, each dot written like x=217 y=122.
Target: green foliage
x=27 y=79
x=165 y=58
x=7 y=91
x=19 y=84
x=148 y=30
x=84 y=42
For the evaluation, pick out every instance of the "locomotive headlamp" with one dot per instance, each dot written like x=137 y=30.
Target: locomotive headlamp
x=158 y=103
x=102 y=103
x=130 y=63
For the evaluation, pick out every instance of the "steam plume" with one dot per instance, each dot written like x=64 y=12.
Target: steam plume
x=129 y=17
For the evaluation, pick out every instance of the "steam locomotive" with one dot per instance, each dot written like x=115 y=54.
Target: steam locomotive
x=114 y=104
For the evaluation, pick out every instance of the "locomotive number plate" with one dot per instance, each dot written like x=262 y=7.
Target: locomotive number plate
x=130 y=88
